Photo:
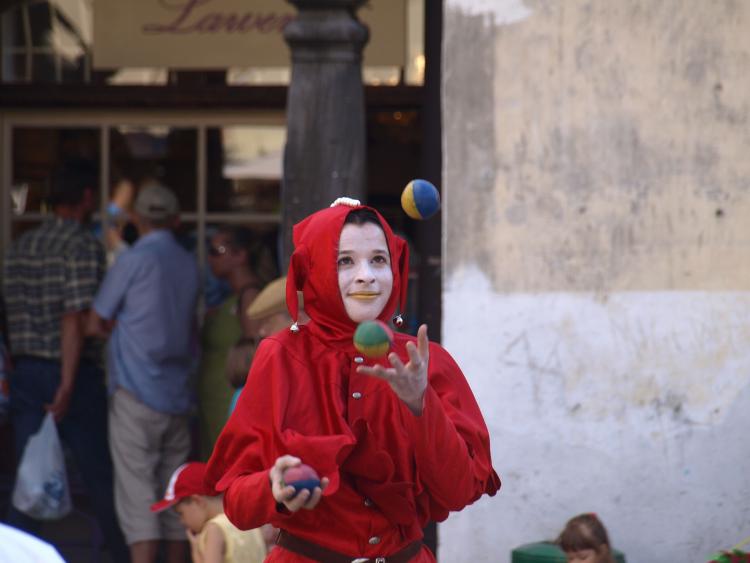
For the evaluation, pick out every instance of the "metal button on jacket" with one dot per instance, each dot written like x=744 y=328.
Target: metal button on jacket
x=368 y=502
x=359 y=360
x=357 y=395
x=374 y=540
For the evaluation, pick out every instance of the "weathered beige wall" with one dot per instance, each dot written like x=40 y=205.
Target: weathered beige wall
x=597 y=267
x=608 y=146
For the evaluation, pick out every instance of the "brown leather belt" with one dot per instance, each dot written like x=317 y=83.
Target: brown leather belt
x=323 y=555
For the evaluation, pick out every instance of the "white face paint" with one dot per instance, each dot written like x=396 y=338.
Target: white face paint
x=364 y=267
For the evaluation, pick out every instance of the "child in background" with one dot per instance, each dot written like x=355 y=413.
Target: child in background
x=585 y=540
x=269 y=311
x=213 y=538
x=239 y=358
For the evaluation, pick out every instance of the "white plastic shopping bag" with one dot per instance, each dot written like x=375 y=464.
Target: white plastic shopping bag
x=41 y=489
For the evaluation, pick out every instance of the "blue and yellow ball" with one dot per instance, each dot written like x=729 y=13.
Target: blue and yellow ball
x=420 y=199
x=373 y=339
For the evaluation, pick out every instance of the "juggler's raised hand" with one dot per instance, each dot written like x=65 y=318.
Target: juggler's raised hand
x=409 y=380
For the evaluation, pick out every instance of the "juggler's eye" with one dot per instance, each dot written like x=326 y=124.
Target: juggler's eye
x=344 y=261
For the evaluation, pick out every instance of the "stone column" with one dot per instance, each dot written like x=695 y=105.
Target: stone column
x=325 y=149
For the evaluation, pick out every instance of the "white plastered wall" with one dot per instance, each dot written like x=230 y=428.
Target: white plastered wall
x=596 y=265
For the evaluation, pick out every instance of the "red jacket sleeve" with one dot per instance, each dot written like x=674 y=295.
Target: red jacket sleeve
x=452 y=446
x=263 y=427
x=262 y=509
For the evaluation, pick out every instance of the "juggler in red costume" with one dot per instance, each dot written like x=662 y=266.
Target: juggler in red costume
x=397 y=441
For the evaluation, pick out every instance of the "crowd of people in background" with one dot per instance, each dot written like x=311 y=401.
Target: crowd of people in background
x=126 y=413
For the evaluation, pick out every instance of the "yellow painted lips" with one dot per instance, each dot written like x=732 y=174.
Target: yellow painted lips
x=364 y=296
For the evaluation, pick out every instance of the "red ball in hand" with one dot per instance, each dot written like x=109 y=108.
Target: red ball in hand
x=301 y=477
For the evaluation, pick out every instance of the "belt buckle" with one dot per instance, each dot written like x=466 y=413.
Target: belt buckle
x=361 y=560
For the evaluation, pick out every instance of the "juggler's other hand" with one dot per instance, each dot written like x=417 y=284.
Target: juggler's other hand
x=285 y=494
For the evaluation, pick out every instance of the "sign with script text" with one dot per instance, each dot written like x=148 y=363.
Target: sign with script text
x=207 y=34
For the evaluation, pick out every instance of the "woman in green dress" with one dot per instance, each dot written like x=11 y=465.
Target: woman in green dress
x=238 y=256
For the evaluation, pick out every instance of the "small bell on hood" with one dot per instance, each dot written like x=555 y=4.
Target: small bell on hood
x=398 y=320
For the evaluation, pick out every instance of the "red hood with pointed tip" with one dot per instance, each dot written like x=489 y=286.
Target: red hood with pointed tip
x=312 y=270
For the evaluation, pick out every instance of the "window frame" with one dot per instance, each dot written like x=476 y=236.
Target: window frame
x=201 y=120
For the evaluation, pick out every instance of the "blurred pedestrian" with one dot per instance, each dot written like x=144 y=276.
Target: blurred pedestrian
x=51 y=275
x=17 y=546
x=240 y=257
x=148 y=300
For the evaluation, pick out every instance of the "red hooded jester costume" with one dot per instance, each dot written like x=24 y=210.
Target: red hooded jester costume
x=390 y=471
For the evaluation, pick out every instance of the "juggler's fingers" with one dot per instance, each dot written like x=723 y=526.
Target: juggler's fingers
x=285 y=462
x=314 y=499
x=396 y=362
x=423 y=343
x=414 y=357
x=317 y=494
x=298 y=500
x=281 y=492
x=287 y=493
x=377 y=371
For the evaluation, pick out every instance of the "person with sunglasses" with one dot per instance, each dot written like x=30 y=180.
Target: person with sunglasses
x=239 y=257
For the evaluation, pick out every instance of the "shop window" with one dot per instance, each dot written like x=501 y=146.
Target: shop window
x=222 y=175
x=165 y=154
x=37 y=152
x=46 y=42
x=244 y=168
x=243 y=189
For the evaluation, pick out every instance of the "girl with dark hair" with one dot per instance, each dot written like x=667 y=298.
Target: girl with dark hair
x=585 y=540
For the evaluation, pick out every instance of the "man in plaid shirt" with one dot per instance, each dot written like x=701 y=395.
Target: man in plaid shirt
x=50 y=277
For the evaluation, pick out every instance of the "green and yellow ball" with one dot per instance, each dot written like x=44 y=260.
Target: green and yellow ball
x=373 y=339
x=420 y=199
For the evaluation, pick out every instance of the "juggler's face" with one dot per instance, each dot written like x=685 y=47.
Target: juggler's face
x=364 y=267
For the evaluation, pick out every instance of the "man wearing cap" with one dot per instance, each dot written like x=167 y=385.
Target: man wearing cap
x=148 y=296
